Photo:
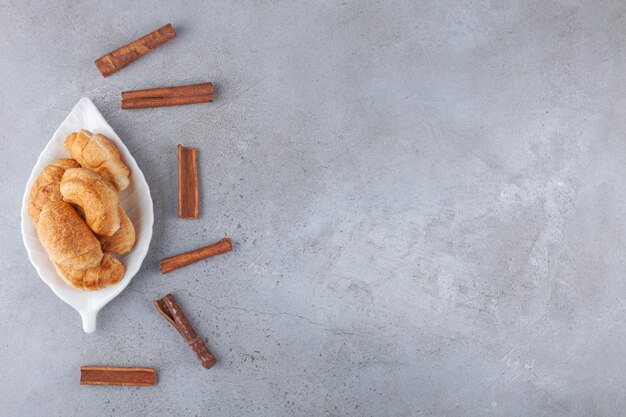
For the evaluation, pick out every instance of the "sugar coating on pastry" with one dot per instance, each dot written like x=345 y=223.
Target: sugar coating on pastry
x=108 y=272
x=123 y=240
x=97 y=198
x=46 y=187
x=66 y=237
x=98 y=153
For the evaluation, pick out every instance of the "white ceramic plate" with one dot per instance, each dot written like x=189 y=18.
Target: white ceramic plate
x=135 y=200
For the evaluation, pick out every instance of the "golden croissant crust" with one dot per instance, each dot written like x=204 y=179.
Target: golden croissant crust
x=96 y=198
x=66 y=237
x=123 y=240
x=108 y=272
x=99 y=154
x=46 y=187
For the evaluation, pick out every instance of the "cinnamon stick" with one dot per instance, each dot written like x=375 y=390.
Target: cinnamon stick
x=169 y=308
x=168 y=96
x=188 y=192
x=190 y=90
x=150 y=103
x=121 y=57
x=112 y=375
x=184 y=259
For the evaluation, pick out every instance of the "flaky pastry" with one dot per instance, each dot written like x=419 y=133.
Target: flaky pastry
x=97 y=153
x=108 y=272
x=66 y=237
x=46 y=186
x=96 y=197
x=123 y=240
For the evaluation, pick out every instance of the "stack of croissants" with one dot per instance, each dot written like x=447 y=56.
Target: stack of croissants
x=75 y=206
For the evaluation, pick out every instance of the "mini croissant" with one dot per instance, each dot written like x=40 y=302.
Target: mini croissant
x=123 y=240
x=108 y=272
x=99 y=154
x=66 y=237
x=46 y=186
x=97 y=199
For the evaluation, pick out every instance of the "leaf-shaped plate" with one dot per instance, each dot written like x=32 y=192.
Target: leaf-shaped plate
x=135 y=200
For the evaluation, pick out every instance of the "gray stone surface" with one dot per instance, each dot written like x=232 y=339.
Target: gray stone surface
x=427 y=200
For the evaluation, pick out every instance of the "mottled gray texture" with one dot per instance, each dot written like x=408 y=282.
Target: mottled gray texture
x=427 y=199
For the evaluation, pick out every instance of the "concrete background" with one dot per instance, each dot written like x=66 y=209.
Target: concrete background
x=427 y=200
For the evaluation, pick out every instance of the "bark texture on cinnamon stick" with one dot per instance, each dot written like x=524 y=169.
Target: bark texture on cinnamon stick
x=113 y=375
x=188 y=192
x=168 y=96
x=121 y=57
x=202 y=89
x=184 y=259
x=169 y=308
